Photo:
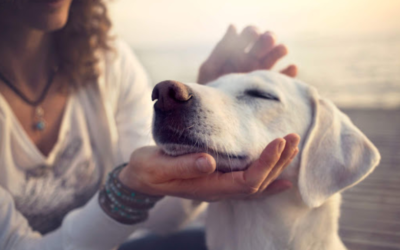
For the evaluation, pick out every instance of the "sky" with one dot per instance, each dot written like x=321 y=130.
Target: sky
x=147 y=23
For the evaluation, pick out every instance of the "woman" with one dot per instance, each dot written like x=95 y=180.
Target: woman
x=75 y=104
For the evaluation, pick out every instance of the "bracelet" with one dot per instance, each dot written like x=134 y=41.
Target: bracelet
x=122 y=203
x=117 y=214
x=126 y=193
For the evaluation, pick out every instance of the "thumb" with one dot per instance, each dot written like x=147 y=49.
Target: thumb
x=187 y=166
x=222 y=50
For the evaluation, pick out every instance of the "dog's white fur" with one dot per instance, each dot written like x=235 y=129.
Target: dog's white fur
x=333 y=156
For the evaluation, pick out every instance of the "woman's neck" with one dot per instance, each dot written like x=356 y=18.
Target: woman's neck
x=25 y=54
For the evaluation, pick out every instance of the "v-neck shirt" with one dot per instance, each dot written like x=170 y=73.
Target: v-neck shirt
x=58 y=183
x=102 y=125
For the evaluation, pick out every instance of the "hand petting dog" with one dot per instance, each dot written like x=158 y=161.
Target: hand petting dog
x=193 y=176
x=245 y=52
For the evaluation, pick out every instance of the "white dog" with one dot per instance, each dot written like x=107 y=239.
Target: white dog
x=233 y=119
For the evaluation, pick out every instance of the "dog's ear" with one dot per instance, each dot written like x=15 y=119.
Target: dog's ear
x=336 y=155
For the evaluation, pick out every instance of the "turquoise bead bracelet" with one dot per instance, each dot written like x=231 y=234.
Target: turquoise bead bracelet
x=123 y=204
x=125 y=192
x=118 y=214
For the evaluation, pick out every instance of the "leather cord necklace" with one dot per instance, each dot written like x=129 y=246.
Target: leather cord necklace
x=39 y=123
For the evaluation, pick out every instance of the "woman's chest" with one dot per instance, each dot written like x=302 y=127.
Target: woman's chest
x=45 y=188
x=41 y=123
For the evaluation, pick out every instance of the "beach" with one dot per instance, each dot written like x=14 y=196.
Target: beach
x=370 y=216
x=353 y=72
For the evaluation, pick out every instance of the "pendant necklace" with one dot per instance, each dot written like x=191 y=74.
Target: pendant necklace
x=39 y=122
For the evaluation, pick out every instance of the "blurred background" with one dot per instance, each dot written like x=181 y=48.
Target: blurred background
x=348 y=49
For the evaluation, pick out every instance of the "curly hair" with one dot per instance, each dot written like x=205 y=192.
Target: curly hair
x=77 y=43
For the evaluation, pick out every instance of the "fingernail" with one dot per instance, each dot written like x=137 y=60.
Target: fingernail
x=203 y=164
x=282 y=145
x=294 y=153
x=268 y=36
x=295 y=142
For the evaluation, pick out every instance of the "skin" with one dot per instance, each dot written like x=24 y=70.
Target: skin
x=245 y=52
x=184 y=177
x=26 y=59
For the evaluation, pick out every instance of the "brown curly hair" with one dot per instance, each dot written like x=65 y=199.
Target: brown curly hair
x=77 y=43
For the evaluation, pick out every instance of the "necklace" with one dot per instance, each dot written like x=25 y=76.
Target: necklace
x=39 y=122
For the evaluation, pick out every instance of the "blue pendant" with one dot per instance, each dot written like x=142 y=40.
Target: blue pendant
x=40 y=125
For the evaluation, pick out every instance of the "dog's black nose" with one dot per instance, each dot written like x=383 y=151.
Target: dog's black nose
x=171 y=95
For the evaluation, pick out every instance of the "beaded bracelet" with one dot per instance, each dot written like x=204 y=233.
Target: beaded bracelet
x=123 y=204
x=126 y=193
x=117 y=214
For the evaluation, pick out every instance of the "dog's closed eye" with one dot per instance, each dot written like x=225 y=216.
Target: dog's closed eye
x=261 y=94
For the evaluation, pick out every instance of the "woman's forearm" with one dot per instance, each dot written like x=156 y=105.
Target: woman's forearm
x=82 y=229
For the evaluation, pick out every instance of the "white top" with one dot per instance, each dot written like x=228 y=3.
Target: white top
x=101 y=127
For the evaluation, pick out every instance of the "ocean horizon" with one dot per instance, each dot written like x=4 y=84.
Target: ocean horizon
x=352 y=72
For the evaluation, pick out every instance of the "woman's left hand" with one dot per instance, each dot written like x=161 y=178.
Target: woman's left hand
x=152 y=172
x=240 y=53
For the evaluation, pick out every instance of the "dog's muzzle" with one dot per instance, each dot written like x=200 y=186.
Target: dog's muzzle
x=181 y=126
x=171 y=95
x=174 y=112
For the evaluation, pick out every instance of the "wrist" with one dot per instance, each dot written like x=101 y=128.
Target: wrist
x=118 y=214
x=131 y=179
x=125 y=178
x=123 y=203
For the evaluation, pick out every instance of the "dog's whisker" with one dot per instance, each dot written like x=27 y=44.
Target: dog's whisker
x=229 y=160
x=207 y=146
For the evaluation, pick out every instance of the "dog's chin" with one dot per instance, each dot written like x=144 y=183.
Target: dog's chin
x=226 y=162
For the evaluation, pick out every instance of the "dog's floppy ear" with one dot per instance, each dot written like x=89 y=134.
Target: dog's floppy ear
x=336 y=155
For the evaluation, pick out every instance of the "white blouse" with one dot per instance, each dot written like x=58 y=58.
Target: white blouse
x=102 y=125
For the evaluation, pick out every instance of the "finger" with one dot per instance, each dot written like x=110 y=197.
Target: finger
x=273 y=56
x=291 y=158
x=228 y=68
x=222 y=50
x=290 y=71
x=211 y=68
x=182 y=167
x=292 y=140
x=263 y=46
x=235 y=184
x=212 y=187
x=260 y=169
x=276 y=172
x=248 y=36
x=240 y=59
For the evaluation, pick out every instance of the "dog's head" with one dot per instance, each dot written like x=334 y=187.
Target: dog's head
x=236 y=116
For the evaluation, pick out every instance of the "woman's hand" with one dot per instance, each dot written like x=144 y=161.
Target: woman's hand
x=244 y=52
x=193 y=176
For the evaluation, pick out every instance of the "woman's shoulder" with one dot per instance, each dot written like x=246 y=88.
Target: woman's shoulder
x=122 y=54
x=121 y=61
x=121 y=70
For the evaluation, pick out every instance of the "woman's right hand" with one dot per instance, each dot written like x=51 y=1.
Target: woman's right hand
x=193 y=176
